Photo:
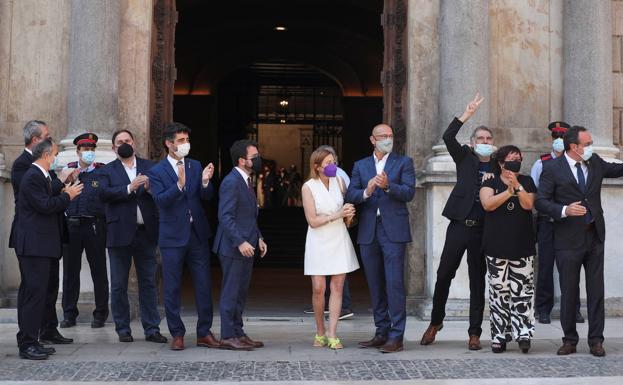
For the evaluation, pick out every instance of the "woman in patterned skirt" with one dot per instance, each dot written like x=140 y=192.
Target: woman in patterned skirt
x=508 y=244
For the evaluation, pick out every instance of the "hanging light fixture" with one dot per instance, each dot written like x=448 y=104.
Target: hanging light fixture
x=283 y=103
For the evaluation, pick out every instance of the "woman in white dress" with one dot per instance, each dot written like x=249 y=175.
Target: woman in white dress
x=328 y=248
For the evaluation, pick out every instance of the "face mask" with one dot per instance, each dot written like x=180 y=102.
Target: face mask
x=257 y=165
x=125 y=151
x=330 y=170
x=558 y=145
x=182 y=150
x=87 y=156
x=512 y=165
x=588 y=152
x=54 y=164
x=484 y=150
x=385 y=146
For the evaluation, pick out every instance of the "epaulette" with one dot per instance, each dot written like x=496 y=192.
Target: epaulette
x=546 y=157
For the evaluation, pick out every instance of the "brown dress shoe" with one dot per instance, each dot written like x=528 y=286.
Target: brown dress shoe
x=208 y=342
x=391 y=346
x=235 y=344
x=247 y=340
x=597 y=350
x=430 y=333
x=177 y=343
x=474 y=343
x=566 y=349
x=376 y=342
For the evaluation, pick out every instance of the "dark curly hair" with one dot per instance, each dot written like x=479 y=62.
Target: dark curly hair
x=501 y=154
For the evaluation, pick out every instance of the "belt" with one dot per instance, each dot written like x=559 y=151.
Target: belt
x=545 y=218
x=81 y=220
x=140 y=226
x=471 y=223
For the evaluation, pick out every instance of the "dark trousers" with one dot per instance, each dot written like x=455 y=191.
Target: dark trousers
x=544 y=299
x=144 y=254
x=33 y=298
x=569 y=263
x=460 y=238
x=196 y=255
x=234 y=291
x=346 y=305
x=49 y=323
x=383 y=262
x=89 y=235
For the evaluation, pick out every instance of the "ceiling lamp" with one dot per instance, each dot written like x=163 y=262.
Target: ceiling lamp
x=280 y=28
x=282 y=121
x=283 y=103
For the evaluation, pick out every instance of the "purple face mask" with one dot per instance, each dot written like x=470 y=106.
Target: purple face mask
x=330 y=170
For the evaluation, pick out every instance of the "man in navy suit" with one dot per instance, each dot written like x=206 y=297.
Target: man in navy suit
x=237 y=241
x=570 y=192
x=132 y=231
x=381 y=185
x=178 y=186
x=38 y=245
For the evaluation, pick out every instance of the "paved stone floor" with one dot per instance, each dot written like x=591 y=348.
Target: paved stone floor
x=96 y=356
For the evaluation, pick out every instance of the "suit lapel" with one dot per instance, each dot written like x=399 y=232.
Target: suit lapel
x=120 y=169
x=188 y=173
x=567 y=171
x=590 y=165
x=168 y=168
x=391 y=162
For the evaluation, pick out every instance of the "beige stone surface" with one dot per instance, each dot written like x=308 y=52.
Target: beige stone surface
x=617 y=58
x=617 y=89
x=617 y=17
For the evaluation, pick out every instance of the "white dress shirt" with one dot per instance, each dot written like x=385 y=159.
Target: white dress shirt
x=244 y=174
x=572 y=162
x=131 y=172
x=46 y=173
x=380 y=166
x=28 y=150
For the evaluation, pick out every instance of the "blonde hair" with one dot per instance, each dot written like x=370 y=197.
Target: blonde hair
x=315 y=159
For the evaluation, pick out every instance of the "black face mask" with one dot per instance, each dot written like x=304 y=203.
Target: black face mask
x=512 y=165
x=125 y=151
x=257 y=165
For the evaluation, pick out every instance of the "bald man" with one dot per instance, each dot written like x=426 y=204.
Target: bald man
x=381 y=185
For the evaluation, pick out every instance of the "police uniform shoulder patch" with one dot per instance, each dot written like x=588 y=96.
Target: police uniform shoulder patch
x=95 y=183
x=545 y=157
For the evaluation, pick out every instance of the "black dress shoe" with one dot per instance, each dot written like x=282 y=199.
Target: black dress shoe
x=68 y=323
x=524 y=345
x=598 y=350
x=43 y=349
x=125 y=337
x=54 y=338
x=32 y=353
x=96 y=324
x=544 y=318
x=376 y=342
x=156 y=337
x=578 y=318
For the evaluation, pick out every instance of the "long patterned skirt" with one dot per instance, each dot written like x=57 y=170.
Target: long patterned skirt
x=511 y=297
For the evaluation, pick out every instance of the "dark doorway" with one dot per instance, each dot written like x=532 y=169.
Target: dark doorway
x=292 y=75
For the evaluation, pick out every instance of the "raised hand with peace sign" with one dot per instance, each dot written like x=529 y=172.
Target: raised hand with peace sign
x=472 y=107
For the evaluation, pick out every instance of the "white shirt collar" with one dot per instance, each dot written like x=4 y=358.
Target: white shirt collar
x=572 y=161
x=174 y=161
x=133 y=163
x=46 y=173
x=244 y=174
x=383 y=159
x=28 y=150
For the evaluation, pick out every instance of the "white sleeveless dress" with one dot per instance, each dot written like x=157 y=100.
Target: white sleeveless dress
x=328 y=248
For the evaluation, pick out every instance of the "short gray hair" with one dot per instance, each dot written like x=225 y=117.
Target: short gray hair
x=33 y=129
x=479 y=128
x=42 y=148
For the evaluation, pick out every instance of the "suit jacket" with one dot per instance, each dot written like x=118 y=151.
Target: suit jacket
x=392 y=204
x=176 y=206
x=120 y=207
x=40 y=226
x=21 y=165
x=461 y=199
x=558 y=187
x=237 y=216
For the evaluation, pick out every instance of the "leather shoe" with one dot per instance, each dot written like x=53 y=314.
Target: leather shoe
x=177 y=343
x=67 y=323
x=157 y=338
x=566 y=349
x=247 y=340
x=54 y=338
x=43 y=349
x=32 y=353
x=544 y=318
x=208 y=342
x=579 y=319
x=597 y=350
x=376 y=342
x=235 y=344
x=125 y=337
x=474 y=343
x=96 y=324
x=391 y=346
x=430 y=333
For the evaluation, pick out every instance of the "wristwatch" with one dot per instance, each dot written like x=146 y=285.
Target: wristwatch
x=386 y=189
x=518 y=189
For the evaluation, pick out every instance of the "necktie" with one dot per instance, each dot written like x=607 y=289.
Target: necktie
x=250 y=186
x=582 y=183
x=49 y=182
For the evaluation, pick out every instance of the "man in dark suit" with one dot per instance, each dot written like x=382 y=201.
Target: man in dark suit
x=38 y=245
x=465 y=230
x=36 y=131
x=132 y=233
x=237 y=241
x=570 y=192
x=178 y=186
x=381 y=185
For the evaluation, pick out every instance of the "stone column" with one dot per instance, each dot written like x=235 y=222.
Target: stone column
x=588 y=96
x=93 y=74
x=464 y=70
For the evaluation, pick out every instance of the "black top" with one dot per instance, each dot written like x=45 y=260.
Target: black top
x=477 y=212
x=509 y=233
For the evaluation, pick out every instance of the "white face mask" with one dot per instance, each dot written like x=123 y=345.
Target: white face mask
x=558 y=145
x=588 y=152
x=182 y=150
x=385 y=146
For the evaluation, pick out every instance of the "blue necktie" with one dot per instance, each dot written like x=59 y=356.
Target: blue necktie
x=582 y=183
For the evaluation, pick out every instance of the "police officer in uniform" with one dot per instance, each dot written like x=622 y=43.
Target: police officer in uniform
x=544 y=301
x=87 y=231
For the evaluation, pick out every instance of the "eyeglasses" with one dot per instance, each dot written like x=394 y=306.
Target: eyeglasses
x=383 y=137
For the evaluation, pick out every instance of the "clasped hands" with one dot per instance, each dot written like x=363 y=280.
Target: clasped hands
x=380 y=180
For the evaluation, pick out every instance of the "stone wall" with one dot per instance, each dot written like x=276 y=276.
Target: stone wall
x=617 y=69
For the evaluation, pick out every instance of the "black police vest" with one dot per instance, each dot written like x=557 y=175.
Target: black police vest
x=88 y=203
